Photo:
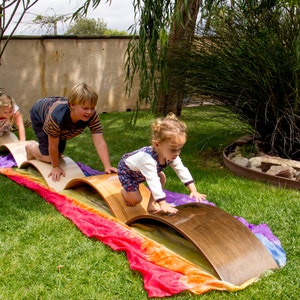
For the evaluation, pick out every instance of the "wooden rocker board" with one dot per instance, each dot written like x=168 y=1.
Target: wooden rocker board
x=17 y=150
x=8 y=137
x=109 y=187
x=72 y=170
x=10 y=142
x=230 y=247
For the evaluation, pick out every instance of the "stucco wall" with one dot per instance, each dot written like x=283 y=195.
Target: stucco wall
x=35 y=67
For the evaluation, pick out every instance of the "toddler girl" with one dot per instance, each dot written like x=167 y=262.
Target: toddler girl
x=147 y=164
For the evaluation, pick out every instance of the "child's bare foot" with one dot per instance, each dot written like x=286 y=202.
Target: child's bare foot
x=29 y=155
x=153 y=207
x=127 y=202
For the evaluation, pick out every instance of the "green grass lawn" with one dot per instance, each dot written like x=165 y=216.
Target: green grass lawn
x=44 y=256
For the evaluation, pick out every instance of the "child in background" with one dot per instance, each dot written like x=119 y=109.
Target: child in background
x=147 y=164
x=56 y=120
x=9 y=114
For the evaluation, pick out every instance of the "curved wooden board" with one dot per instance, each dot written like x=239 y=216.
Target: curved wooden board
x=234 y=252
x=8 y=137
x=72 y=170
x=17 y=150
x=109 y=187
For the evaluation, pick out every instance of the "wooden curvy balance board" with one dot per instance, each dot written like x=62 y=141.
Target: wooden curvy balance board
x=9 y=142
x=109 y=187
x=230 y=247
x=72 y=170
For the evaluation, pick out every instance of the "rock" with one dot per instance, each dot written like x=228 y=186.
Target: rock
x=282 y=171
x=241 y=161
x=274 y=160
x=254 y=162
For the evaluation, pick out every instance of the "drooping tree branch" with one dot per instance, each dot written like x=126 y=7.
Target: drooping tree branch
x=5 y=22
x=161 y=29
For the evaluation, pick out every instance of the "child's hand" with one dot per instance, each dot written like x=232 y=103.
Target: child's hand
x=167 y=208
x=110 y=170
x=197 y=196
x=56 y=173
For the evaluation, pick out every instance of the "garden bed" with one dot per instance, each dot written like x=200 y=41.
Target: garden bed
x=260 y=166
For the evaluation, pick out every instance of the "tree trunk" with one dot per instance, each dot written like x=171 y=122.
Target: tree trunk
x=180 y=41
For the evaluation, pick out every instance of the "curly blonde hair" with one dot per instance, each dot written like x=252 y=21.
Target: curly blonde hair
x=7 y=101
x=168 y=127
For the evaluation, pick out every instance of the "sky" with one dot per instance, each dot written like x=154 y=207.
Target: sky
x=118 y=16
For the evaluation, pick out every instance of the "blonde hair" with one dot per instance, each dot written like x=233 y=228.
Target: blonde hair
x=82 y=93
x=167 y=128
x=7 y=101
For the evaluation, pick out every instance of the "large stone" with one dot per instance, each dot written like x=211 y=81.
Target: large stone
x=241 y=161
x=255 y=162
x=282 y=171
x=274 y=160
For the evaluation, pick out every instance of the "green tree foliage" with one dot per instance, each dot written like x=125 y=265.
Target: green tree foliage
x=87 y=27
x=180 y=39
x=147 y=50
x=114 y=32
x=164 y=29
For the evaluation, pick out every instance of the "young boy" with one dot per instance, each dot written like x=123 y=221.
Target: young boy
x=9 y=113
x=56 y=120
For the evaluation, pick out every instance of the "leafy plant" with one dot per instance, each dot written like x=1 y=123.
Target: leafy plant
x=249 y=60
x=85 y=26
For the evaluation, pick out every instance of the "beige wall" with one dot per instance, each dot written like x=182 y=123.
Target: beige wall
x=35 y=67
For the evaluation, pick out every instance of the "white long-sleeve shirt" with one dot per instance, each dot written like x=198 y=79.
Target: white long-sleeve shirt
x=144 y=163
